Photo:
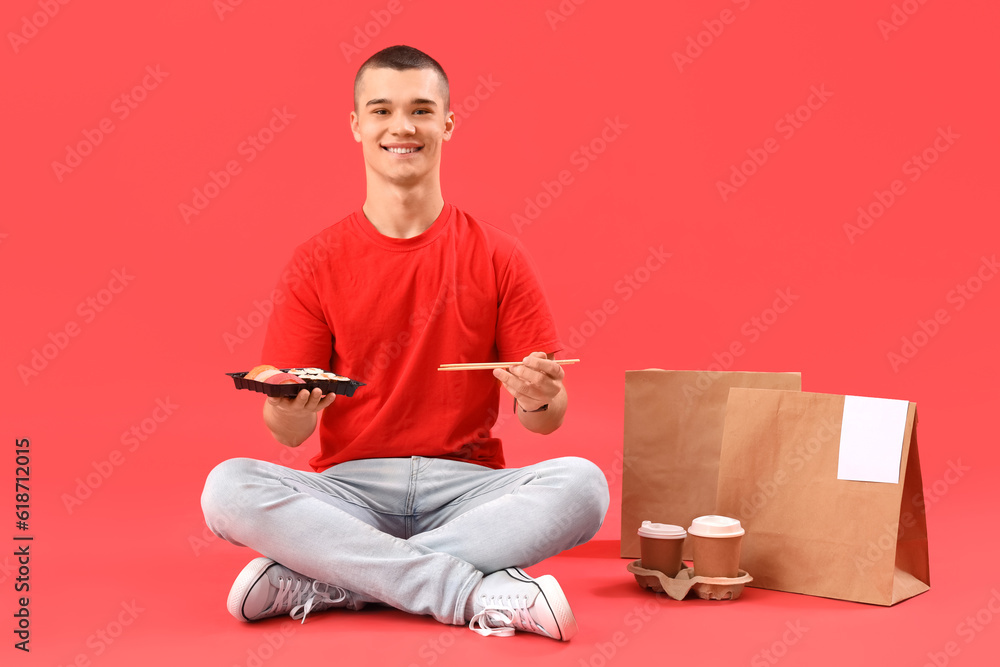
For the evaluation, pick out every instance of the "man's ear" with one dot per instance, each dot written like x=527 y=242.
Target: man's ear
x=354 y=126
x=449 y=125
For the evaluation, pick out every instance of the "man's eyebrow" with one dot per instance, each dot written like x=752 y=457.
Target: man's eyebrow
x=385 y=100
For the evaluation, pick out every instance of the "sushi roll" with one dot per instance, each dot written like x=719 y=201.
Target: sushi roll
x=254 y=373
x=283 y=378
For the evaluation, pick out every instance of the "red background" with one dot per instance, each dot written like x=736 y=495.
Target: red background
x=139 y=535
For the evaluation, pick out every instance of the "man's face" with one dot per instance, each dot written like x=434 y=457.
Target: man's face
x=401 y=122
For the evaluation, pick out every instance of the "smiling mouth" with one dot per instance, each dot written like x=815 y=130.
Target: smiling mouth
x=402 y=151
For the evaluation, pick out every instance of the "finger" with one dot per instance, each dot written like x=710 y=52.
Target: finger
x=509 y=382
x=535 y=360
x=542 y=384
x=282 y=402
x=515 y=386
x=529 y=375
x=502 y=374
x=539 y=361
x=327 y=400
x=295 y=403
x=313 y=399
x=509 y=390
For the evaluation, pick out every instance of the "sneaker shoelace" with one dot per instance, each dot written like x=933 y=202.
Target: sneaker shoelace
x=297 y=596
x=502 y=616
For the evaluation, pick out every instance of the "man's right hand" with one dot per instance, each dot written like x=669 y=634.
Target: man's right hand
x=292 y=420
x=304 y=401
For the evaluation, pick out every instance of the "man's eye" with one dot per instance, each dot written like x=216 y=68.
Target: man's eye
x=422 y=111
x=381 y=112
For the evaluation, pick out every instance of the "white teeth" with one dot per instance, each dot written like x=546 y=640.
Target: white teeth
x=401 y=150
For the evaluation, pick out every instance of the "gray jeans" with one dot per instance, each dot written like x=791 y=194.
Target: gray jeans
x=414 y=533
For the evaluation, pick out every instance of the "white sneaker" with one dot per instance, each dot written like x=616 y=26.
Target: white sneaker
x=265 y=588
x=510 y=600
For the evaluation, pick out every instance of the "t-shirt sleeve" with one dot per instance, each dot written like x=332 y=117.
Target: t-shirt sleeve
x=298 y=334
x=524 y=319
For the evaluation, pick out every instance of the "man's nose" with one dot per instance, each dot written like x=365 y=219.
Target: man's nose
x=402 y=124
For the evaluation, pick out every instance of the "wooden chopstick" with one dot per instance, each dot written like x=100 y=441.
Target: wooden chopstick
x=494 y=364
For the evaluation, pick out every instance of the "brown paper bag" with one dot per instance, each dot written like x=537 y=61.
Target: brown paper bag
x=807 y=531
x=673 y=436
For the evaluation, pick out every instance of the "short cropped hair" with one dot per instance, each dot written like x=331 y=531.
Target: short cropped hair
x=402 y=57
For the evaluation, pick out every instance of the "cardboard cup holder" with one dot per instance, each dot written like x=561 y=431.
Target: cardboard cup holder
x=706 y=588
x=341 y=387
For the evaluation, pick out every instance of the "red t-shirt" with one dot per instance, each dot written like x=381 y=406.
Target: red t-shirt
x=388 y=311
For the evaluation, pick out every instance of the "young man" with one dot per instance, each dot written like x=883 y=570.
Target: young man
x=410 y=504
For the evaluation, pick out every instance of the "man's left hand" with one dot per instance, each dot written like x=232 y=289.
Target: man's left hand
x=534 y=383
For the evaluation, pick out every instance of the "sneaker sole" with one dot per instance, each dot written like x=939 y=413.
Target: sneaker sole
x=556 y=599
x=252 y=573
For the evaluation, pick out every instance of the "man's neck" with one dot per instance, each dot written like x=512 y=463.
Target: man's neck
x=402 y=212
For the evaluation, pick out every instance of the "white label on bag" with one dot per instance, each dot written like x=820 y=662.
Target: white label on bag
x=871 y=439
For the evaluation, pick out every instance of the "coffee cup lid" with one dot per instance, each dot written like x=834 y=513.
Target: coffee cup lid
x=713 y=525
x=663 y=531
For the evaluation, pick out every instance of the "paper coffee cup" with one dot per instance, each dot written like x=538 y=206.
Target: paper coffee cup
x=715 y=542
x=660 y=546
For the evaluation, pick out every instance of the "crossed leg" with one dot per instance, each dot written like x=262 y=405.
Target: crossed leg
x=417 y=533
